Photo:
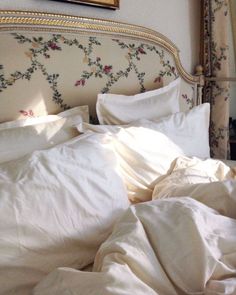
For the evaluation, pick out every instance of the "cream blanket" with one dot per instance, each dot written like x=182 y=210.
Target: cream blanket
x=184 y=242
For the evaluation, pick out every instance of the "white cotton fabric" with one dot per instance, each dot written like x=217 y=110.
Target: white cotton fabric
x=186 y=171
x=205 y=181
x=146 y=149
x=189 y=130
x=39 y=133
x=171 y=246
x=114 y=109
x=143 y=156
x=56 y=208
x=82 y=111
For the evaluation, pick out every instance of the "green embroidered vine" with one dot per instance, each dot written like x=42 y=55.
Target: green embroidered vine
x=41 y=47
x=216 y=134
x=38 y=47
x=220 y=4
x=133 y=54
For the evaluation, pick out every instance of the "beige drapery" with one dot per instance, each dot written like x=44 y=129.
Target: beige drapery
x=233 y=19
x=216 y=65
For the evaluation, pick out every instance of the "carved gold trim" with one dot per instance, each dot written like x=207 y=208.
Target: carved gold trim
x=46 y=21
x=113 y=4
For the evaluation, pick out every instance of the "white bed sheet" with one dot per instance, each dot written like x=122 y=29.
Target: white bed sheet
x=179 y=244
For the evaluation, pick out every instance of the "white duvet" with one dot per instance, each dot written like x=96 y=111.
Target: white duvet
x=183 y=242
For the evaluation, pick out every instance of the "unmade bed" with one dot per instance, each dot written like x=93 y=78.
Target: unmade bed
x=106 y=181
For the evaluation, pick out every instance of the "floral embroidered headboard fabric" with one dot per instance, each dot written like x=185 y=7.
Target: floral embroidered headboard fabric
x=49 y=63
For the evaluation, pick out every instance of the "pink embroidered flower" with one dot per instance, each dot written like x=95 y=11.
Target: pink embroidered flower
x=24 y=113
x=158 y=80
x=140 y=50
x=29 y=113
x=107 y=69
x=80 y=82
x=54 y=46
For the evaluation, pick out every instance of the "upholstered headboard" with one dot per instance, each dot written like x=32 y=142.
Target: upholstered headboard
x=51 y=62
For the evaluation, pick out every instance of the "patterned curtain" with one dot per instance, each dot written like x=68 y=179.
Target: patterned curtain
x=233 y=21
x=216 y=65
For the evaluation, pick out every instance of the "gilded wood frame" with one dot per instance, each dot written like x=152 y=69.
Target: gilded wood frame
x=113 y=4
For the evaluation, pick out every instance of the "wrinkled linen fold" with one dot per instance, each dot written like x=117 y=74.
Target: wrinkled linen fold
x=57 y=206
x=180 y=243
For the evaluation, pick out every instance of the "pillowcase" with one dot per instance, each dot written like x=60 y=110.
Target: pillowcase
x=188 y=130
x=116 y=109
x=57 y=207
x=19 y=141
x=82 y=111
x=146 y=149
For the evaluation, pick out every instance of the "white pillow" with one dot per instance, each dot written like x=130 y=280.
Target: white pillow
x=146 y=149
x=19 y=141
x=116 y=109
x=82 y=111
x=57 y=207
x=188 y=130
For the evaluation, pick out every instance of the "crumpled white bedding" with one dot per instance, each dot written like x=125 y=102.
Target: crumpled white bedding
x=184 y=242
x=56 y=208
x=145 y=149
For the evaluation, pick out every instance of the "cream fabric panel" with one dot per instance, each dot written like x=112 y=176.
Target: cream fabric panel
x=43 y=73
